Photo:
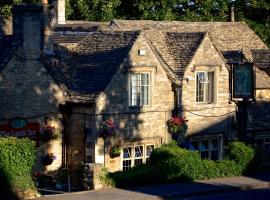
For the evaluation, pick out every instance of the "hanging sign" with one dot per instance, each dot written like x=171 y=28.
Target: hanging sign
x=243 y=82
x=20 y=128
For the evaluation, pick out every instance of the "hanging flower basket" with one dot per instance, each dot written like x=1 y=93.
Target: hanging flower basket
x=115 y=151
x=48 y=159
x=48 y=133
x=107 y=128
x=177 y=126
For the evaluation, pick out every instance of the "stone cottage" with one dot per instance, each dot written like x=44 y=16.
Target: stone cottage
x=73 y=75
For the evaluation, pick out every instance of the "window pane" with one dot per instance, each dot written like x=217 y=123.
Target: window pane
x=133 y=89
x=214 y=155
x=127 y=152
x=149 y=149
x=204 y=145
x=145 y=79
x=200 y=86
x=139 y=89
x=194 y=146
x=214 y=144
x=138 y=151
x=126 y=165
x=138 y=161
x=210 y=88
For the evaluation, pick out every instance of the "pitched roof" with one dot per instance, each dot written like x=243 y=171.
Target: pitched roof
x=175 y=48
x=225 y=35
x=261 y=58
x=182 y=47
x=87 y=69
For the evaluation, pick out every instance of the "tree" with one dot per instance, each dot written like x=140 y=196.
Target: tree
x=6 y=5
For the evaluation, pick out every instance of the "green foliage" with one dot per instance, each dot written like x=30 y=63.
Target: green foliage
x=94 y=10
x=254 y=12
x=17 y=158
x=242 y=154
x=140 y=175
x=172 y=163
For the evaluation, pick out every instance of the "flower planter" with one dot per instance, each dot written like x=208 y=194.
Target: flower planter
x=177 y=127
x=107 y=129
x=48 y=134
x=48 y=159
x=115 y=152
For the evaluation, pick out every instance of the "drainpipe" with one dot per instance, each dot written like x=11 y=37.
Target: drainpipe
x=232 y=18
x=179 y=97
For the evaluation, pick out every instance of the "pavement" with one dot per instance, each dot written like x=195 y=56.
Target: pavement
x=170 y=191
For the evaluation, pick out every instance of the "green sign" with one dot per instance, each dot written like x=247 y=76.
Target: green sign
x=243 y=81
x=18 y=123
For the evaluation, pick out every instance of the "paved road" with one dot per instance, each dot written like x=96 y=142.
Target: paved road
x=104 y=194
x=259 y=194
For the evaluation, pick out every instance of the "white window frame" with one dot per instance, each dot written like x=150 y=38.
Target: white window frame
x=139 y=102
x=206 y=88
x=133 y=158
x=126 y=159
x=209 y=150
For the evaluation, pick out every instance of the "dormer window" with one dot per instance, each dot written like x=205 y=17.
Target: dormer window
x=139 y=89
x=205 y=87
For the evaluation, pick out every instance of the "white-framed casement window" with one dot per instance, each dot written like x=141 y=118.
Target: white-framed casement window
x=149 y=149
x=135 y=155
x=208 y=148
x=127 y=158
x=205 y=87
x=139 y=89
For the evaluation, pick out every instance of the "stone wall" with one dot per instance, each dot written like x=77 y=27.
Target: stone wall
x=147 y=124
x=207 y=59
x=263 y=94
x=27 y=90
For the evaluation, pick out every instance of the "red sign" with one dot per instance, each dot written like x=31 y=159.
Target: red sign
x=15 y=129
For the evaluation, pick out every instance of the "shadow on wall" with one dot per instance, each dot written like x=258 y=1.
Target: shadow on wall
x=30 y=92
x=2 y=24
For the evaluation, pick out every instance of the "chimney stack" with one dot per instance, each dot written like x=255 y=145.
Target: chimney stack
x=32 y=27
x=61 y=9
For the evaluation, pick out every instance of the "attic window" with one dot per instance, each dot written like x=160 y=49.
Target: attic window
x=142 y=52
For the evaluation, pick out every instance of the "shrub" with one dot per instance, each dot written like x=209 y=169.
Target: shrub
x=242 y=154
x=169 y=163
x=17 y=158
x=140 y=175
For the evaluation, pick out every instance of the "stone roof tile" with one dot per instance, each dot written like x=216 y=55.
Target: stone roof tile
x=88 y=68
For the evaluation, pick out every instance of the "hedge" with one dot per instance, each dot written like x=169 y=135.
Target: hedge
x=17 y=158
x=169 y=163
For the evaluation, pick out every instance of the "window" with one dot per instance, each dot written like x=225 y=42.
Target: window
x=127 y=158
x=208 y=148
x=139 y=89
x=136 y=155
x=205 y=87
x=149 y=149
